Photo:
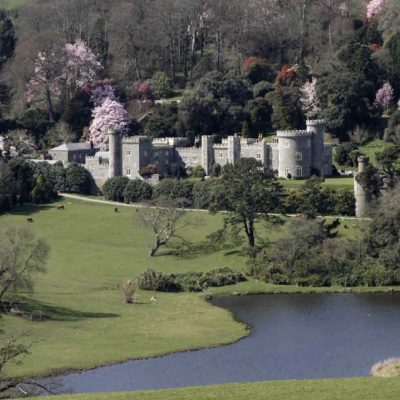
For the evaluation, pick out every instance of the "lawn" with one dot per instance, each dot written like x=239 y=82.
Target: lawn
x=14 y=3
x=93 y=249
x=335 y=183
x=324 y=389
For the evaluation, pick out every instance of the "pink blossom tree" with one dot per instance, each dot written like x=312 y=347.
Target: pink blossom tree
x=145 y=90
x=374 y=8
x=110 y=115
x=309 y=97
x=384 y=96
x=68 y=68
x=81 y=65
x=100 y=93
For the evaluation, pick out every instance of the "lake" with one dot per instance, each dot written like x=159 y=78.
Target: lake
x=294 y=336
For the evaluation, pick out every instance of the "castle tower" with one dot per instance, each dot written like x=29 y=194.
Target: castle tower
x=207 y=153
x=233 y=148
x=114 y=146
x=295 y=153
x=362 y=198
x=316 y=127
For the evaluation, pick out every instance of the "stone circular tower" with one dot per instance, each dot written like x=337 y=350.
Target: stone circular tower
x=316 y=127
x=114 y=148
x=362 y=198
x=295 y=153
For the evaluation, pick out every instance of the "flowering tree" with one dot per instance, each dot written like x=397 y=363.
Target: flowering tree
x=374 y=8
x=81 y=65
x=309 y=98
x=145 y=90
x=384 y=96
x=101 y=93
x=70 y=67
x=110 y=115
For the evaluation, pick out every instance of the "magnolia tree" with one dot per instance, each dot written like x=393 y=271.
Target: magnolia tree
x=145 y=90
x=110 y=115
x=384 y=96
x=374 y=8
x=69 y=67
x=309 y=99
x=100 y=93
x=81 y=65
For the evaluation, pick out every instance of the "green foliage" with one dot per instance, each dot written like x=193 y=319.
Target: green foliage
x=346 y=99
x=159 y=126
x=198 y=172
x=113 y=188
x=23 y=172
x=189 y=281
x=393 y=45
x=259 y=70
x=77 y=178
x=137 y=191
x=43 y=192
x=260 y=113
x=260 y=89
x=161 y=85
x=7 y=38
x=392 y=132
x=174 y=189
x=202 y=193
x=370 y=180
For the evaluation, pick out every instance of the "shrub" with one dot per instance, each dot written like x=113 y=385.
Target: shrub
x=136 y=191
x=43 y=192
x=113 y=188
x=77 y=178
x=174 y=189
x=161 y=85
x=198 y=172
x=151 y=280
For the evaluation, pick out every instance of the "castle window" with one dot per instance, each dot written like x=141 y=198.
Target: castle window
x=299 y=156
x=128 y=171
x=128 y=152
x=221 y=154
x=287 y=172
x=299 y=171
x=145 y=153
x=287 y=144
x=258 y=156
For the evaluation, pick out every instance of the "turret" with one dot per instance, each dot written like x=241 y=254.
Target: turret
x=114 y=145
x=317 y=143
x=362 y=198
x=207 y=153
x=233 y=148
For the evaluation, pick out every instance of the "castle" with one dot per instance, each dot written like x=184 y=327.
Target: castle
x=292 y=153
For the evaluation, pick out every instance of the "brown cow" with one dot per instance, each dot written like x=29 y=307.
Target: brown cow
x=116 y=209
x=29 y=219
x=299 y=215
x=60 y=207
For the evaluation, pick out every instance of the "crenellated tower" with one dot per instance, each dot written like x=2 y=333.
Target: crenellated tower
x=114 y=146
x=362 y=198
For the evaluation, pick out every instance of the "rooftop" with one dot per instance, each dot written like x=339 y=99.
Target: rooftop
x=73 y=146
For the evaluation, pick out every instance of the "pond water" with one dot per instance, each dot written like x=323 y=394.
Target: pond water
x=296 y=336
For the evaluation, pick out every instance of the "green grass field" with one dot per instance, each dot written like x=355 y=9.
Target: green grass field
x=335 y=183
x=324 y=389
x=92 y=250
x=373 y=147
x=9 y=4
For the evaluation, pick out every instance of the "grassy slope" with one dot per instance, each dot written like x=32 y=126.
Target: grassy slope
x=335 y=183
x=327 y=389
x=94 y=249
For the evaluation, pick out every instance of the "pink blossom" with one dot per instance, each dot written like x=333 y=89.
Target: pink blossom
x=145 y=89
x=374 y=8
x=309 y=99
x=384 y=96
x=110 y=115
x=101 y=93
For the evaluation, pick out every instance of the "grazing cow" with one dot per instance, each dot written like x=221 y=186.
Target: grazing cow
x=299 y=215
x=346 y=227
x=354 y=225
x=154 y=298
x=60 y=207
x=116 y=209
x=29 y=219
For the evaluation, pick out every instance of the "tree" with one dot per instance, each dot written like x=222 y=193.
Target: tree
x=374 y=8
x=162 y=85
x=384 y=96
x=248 y=191
x=165 y=217
x=21 y=256
x=22 y=141
x=388 y=161
x=7 y=186
x=309 y=98
x=110 y=115
x=77 y=178
x=137 y=191
x=43 y=191
x=113 y=188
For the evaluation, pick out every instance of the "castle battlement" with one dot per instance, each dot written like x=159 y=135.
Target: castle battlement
x=193 y=148
x=220 y=145
x=294 y=133
x=136 y=139
x=313 y=122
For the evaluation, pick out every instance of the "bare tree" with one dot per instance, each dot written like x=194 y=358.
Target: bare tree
x=165 y=218
x=22 y=141
x=21 y=256
x=359 y=135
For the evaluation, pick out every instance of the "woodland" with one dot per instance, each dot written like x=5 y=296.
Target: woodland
x=71 y=68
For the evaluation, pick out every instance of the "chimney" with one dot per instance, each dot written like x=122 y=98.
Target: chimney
x=260 y=138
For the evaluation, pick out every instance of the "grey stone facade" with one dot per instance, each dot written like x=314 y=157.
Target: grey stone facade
x=362 y=198
x=297 y=153
x=72 y=152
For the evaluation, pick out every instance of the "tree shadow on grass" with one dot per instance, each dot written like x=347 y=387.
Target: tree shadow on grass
x=29 y=209
x=193 y=250
x=56 y=313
